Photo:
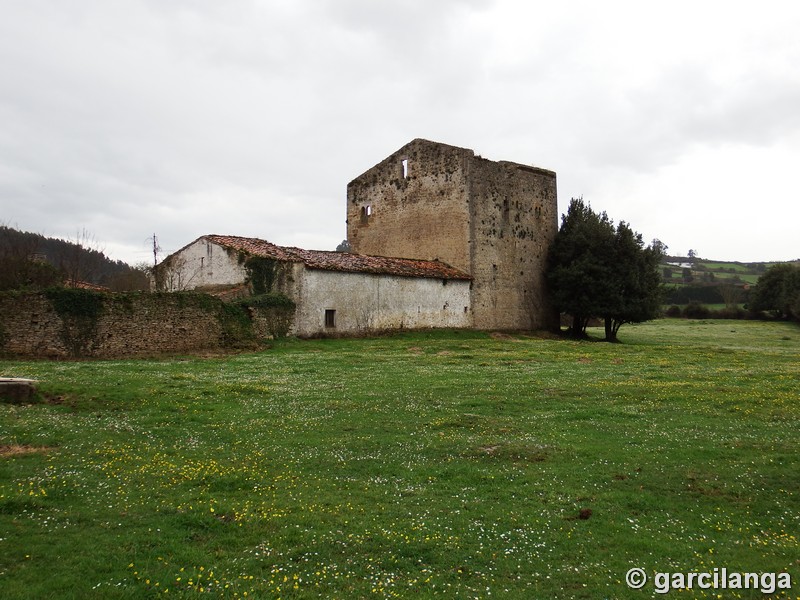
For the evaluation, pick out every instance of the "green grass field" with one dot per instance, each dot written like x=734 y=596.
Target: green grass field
x=722 y=272
x=446 y=464
x=726 y=266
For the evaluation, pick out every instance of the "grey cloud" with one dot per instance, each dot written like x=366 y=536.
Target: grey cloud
x=188 y=116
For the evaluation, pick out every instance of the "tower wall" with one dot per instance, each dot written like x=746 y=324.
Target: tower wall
x=420 y=213
x=493 y=220
x=514 y=220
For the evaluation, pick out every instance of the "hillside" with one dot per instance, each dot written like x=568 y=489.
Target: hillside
x=82 y=260
x=710 y=281
x=679 y=269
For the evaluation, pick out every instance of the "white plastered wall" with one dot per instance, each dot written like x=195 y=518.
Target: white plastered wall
x=201 y=264
x=366 y=302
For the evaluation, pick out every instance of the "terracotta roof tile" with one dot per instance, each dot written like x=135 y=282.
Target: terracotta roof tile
x=341 y=261
x=85 y=285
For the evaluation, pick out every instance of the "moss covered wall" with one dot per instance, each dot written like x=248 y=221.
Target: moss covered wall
x=76 y=323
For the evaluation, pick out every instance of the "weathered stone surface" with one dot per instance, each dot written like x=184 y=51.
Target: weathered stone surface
x=493 y=220
x=15 y=390
x=130 y=325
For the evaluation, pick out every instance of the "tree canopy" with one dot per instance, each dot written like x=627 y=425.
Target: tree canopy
x=778 y=291
x=597 y=270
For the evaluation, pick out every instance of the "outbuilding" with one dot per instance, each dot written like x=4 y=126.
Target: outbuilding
x=333 y=292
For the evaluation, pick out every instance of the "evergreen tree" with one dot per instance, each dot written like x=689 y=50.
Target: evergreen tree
x=580 y=265
x=597 y=270
x=638 y=288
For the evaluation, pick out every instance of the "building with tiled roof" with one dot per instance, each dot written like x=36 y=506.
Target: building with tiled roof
x=334 y=292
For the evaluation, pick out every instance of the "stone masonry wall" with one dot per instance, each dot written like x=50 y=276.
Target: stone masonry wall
x=129 y=325
x=493 y=220
x=424 y=214
x=514 y=221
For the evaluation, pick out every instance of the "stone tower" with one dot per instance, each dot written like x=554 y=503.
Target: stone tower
x=493 y=220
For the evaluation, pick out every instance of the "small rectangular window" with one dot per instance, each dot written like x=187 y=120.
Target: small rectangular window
x=330 y=317
x=404 y=164
x=366 y=213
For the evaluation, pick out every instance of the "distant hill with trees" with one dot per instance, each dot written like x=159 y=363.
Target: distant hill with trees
x=32 y=261
x=691 y=279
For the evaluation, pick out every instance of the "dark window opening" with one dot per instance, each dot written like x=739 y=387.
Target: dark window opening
x=366 y=213
x=330 y=317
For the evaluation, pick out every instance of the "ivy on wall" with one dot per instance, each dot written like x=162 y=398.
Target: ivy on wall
x=77 y=303
x=277 y=311
x=80 y=312
x=262 y=273
x=272 y=300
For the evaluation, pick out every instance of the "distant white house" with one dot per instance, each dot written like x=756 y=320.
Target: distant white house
x=334 y=292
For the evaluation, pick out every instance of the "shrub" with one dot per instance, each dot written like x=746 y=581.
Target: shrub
x=695 y=310
x=275 y=310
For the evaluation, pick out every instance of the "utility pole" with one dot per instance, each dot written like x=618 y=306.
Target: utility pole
x=156 y=250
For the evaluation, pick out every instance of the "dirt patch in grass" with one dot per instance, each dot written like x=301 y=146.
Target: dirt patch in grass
x=514 y=452
x=497 y=335
x=21 y=449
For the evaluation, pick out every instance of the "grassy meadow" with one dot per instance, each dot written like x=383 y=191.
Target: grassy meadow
x=441 y=464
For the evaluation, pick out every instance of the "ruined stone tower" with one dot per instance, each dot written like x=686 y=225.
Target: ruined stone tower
x=493 y=220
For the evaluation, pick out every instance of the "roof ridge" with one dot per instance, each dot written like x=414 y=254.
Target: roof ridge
x=330 y=260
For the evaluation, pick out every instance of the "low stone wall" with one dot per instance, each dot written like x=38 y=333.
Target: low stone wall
x=78 y=323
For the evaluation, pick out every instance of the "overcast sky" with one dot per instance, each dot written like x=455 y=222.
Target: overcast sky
x=127 y=118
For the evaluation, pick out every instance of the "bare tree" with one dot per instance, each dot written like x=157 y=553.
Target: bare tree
x=135 y=279
x=81 y=259
x=172 y=275
x=731 y=294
